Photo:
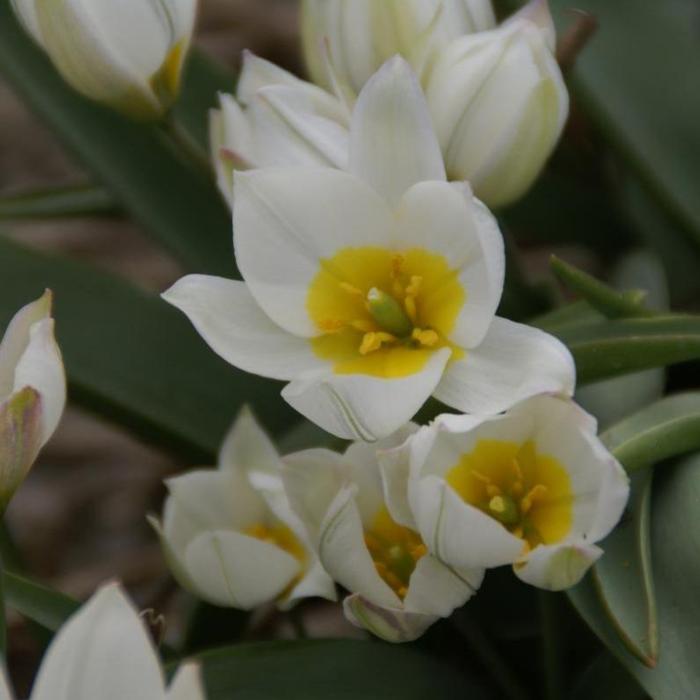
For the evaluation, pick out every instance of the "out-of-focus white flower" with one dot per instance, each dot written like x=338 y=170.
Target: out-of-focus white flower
x=229 y=534
x=397 y=589
x=499 y=104
x=276 y=119
x=103 y=652
x=32 y=392
x=371 y=290
x=360 y=35
x=127 y=54
x=533 y=487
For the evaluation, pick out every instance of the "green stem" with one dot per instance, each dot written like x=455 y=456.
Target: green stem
x=551 y=646
x=187 y=147
x=491 y=659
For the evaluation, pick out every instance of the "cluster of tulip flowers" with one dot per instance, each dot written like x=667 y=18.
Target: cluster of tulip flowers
x=372 y=272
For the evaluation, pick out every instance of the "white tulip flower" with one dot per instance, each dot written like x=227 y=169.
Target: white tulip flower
x=533 y=487
x=499 y=104
x=32 y=392
x=372 y=289
x=103 y=652
x=128 y=55
x=397 y=589
x=229 y=534
x=360 y=35
x=275 y=119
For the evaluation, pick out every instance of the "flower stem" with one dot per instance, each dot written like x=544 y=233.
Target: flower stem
x=551 y=646
x=186 y=146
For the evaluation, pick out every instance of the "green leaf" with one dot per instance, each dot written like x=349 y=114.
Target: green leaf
x=132 y=358
x=142 y=169
x=571 y=314
x=47 y=607
x=623 y=578
x=667 y=428
x=325 y=669
x=58 y=203
x=675 y=542
x=203 y=80
x=610 y=348
x=635 y=80
x=600 y=296
x=605 y=677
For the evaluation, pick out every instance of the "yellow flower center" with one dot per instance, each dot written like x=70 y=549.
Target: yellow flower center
x=528 y=493
x=383 y=313
x=395 y=551
x=279 y=535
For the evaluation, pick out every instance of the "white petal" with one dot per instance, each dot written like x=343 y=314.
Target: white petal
x=457 y=533
x=216 y=499
x=227 y=317
x=446 y=219
x=391 y=624
x=104 y=652
x=557 y=567
x=392 y=141
x=316 y=583
x=183 y=14
x=344 y=555
x=26 y=13
x=109 y=50
x=312 y=480
x=41 y=367
x=248 y=447
x=16 y=339
x=361 y=407
x=222 y=166
x=257 y=73
x=598 y=482
x=513 y=362
x=174 y=549
x=235 y=570
x=187 y=684
x=537 y=12
x=290 y=130
x=395 y=468
x=436 y=589
x=286 y=220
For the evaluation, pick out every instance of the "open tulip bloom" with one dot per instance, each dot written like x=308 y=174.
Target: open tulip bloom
x=533 y=487
x=372 y=289
x=104 y=652
x=229 y=534
x=127 y=54
x=32 y=392
x=397 y=589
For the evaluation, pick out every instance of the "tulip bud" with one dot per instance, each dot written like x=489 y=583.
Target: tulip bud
x=229 y=534
x=32 y=392
x=499 y=105
x=128 y=54
x=362 y=34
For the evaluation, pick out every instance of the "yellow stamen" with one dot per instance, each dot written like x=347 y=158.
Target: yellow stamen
x=351 y=289
x=362 y=325
x=427 y=338
x=374 y=340
x=537 y=492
